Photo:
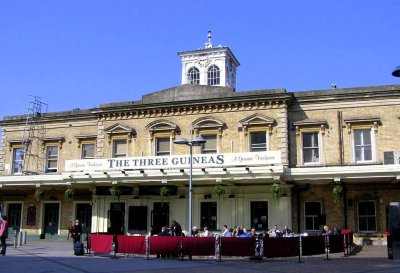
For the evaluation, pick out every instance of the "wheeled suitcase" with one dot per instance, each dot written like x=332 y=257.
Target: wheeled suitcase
x=78 y=249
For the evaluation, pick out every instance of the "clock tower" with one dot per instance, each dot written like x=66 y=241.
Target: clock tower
x=210 y=65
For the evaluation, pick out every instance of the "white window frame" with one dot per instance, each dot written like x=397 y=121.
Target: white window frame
x=14 y=149
x=52 y=158
x=213 y=75
x=162 y=153
x=193 y=75
x=373 y=145
x=213 y=151
x=319 y=148
x=367 y=216
x=311 y=215
x=83 y=144
x=266 y=140
x=114 y=143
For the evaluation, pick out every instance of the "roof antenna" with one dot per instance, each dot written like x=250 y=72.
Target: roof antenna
x=208 y=44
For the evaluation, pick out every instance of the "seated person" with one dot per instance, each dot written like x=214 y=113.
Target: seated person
x=206 y=232
x=326 y=231
x=274 y=232
x=253 y=232
x=226 y=232
x=195 y=232
x=286 y=231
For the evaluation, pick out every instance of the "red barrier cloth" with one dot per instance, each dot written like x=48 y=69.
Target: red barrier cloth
x=131 y=244
x=281 y=247
x=231 y=246
x=313 y=245
x=165 y=245
x=198 y=246
x=336 y=244
x=100 y=243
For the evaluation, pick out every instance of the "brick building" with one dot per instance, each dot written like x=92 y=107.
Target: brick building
x=300 y=159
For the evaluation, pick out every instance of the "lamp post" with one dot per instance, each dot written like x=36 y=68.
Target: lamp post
x=396 y=72
x=197 y=141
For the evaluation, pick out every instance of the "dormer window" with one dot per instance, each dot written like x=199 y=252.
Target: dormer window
x=193 y=76
x=213 y=75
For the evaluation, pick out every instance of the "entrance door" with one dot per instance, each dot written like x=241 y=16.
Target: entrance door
x=14 y=218
x=259 y=215
x=159 y=216
x=137 y=220
x=117 y=218
x=51 y=218
x=208 y=215
x=84 y=215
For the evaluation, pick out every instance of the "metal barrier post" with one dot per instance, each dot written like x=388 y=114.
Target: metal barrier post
x=147 y=240
x=15 y=238
x=300 y=248
x=327 y=246
x=219 y=247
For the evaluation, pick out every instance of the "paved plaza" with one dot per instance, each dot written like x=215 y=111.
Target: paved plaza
x=56 y=256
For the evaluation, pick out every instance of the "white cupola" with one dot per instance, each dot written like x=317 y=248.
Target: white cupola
x=210 y=65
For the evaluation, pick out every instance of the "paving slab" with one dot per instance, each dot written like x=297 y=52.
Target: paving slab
x=44 y=256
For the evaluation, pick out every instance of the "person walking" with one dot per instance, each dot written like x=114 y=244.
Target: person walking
x=3 y=234
x=76 y=232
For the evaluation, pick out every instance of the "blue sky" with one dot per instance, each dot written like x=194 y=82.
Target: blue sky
x=79 y=54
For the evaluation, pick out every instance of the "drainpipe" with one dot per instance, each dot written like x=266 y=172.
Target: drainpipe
x=340 y=137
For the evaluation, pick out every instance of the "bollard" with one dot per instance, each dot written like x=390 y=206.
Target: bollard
x=15 y=238
x=24 y=237
x=20 y=238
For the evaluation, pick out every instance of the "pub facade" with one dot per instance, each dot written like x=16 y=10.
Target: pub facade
x=301 y=159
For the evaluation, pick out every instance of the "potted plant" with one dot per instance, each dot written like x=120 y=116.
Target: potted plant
x=69 y=194
x=276 y=190
x=337 y=192
x=219 y=190
x=164 y=192
x=115 y=192
x=38 y=194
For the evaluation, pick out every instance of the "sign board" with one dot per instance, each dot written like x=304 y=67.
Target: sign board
x=174 y=162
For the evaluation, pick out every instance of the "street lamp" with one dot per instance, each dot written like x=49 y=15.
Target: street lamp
x=396 y=72
x=197 y=141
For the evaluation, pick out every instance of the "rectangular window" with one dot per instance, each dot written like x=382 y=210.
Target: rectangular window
x=87 y=151
x=51 y=159
x=208 y=215
x=258 y=142
x=210 y=147
x=312 y=212
x=310 y=147
x=362 y=145
x=163 y=146
x=366 y=216
x=18 y=160
x=119 y=148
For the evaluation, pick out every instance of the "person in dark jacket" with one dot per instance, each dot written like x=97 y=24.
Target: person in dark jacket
x=76 y=232
x=176 y=229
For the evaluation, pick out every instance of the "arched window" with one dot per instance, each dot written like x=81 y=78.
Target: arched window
x=213 y=75
x=193 y=76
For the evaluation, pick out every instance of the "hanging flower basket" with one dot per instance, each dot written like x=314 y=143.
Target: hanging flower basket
x=115 y=192
x=337 y=193
x=38 y=194
x=164 y=192
x=69 y=194
x=219 y=190
x=276 y=190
